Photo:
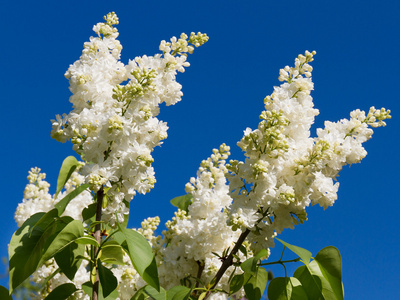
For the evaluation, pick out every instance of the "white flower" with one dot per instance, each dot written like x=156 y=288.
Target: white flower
x=191 y=239
x=285 y=168
x=113 y=126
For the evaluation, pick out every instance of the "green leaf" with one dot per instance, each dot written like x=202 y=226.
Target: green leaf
x=112 y=252
x=4 y=294
x=69 y=259
x=304 y=254
x=93 y=224
x=236 y=283
x=250 y=265
x=314 y=283
x=87 y=287
x=179 y=293
x=67 y=168
x=87 y=240
x=140 y=253
x=26 y=227
x=107 y=279
x=182 y=202
x=154 y=294
x=45 y=220
x=89 y=212
x=147 y=292
x=286 y=288
x=139 y=295
x=202 y=295
x=62 y=204
x=255 y=286
x=21 y=245
x=322 y=278
x=62 y=292
x=28 y=244
x=330 y=264
x=243 y=250
x=71 y=232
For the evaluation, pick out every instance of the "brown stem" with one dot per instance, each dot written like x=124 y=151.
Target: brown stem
x=227 y=262
x=97 y=236
x=201 y=265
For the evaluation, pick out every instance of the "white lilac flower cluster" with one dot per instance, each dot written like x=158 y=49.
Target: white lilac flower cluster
x=193 y=238
x=285 y=169
x=113 y=126
x=38 y=199
x=129 y=280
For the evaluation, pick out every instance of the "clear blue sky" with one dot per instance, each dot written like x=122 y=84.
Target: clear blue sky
x=356 y=66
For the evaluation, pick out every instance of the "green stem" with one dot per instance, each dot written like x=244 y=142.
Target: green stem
x=280 y=262
x=283 y=265
x=283 y=250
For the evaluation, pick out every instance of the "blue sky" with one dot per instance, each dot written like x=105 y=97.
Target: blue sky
x=356 y=66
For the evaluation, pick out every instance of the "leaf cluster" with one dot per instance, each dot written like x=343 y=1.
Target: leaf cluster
x=319 y=278
x=50 y=235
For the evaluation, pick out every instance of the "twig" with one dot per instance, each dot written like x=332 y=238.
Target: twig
x=227 y=262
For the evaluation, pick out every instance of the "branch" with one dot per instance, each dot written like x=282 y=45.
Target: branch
x=227 y=262
x=97 y=236
x=201 y=265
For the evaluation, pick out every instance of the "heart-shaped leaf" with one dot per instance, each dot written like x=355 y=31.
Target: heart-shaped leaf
x=330 y=264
